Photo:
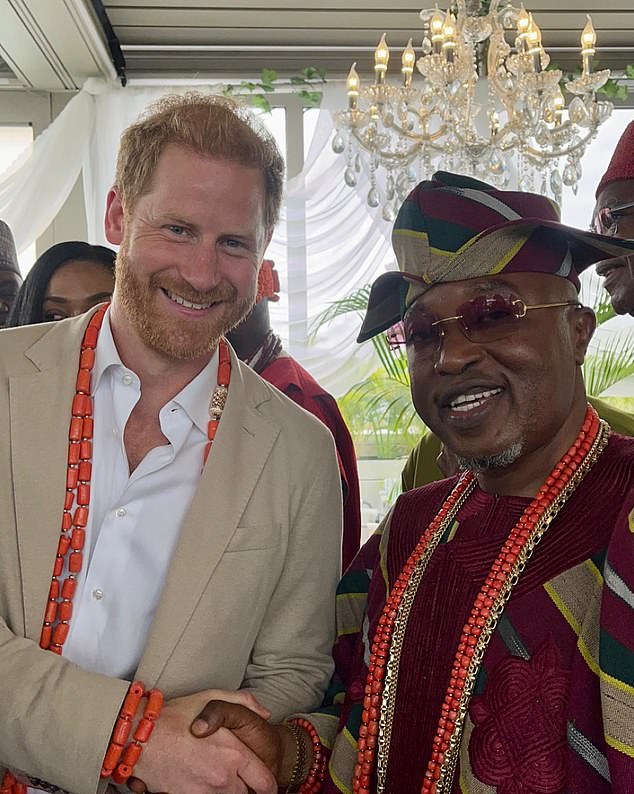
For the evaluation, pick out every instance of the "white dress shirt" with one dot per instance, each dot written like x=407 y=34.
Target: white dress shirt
x=134 y=519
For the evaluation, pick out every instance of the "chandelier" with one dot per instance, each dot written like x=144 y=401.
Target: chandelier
x=487 y=106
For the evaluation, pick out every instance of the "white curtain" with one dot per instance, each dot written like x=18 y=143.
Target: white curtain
x=345 y=244
x=328 y=242
x=34 y=188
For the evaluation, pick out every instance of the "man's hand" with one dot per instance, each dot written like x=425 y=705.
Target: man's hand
x=191 y=705
x=174 y=761
x=275 y=745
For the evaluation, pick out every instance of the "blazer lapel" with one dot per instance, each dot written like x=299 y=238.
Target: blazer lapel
x=40 y=405
x=240 y=450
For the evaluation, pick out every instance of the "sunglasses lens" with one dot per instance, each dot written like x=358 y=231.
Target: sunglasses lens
x=419 y=332
x=395 y=336
x=605 y=222
x=488 y=318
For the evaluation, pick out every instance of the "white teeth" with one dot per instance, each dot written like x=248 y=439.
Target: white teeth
x=466 y=402
x=187 y=304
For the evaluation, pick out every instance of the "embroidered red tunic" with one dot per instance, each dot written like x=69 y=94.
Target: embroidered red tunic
x=535 y=721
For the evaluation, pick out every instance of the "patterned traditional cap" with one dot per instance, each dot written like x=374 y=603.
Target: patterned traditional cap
x=622 y=162
x=268 y=282
x=453 y=228
x=8 y=255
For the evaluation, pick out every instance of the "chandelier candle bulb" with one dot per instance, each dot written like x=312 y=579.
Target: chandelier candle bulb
x=408 y=61
x=381 y=58
x=535 y=44
x=449 y=36
x=588 y=41
x=435 y=28
x=523 y=27
x=353 y=83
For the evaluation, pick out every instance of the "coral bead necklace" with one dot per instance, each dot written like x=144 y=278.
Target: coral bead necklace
x=70 y=546
x=381 y=683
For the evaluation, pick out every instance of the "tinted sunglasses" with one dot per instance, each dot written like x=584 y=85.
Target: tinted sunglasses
x=487 y=318
x=606 y=220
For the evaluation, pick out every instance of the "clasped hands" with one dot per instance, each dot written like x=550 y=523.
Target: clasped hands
x=215 y=742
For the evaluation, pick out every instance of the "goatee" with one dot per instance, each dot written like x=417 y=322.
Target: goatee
x=488 y=462
x=174 y=337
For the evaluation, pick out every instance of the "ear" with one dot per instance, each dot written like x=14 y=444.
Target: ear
x=584 y=326
x=114 y=220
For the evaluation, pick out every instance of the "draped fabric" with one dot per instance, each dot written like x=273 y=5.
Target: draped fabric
x=36 y=185
x=328 y=243
x=329 y=240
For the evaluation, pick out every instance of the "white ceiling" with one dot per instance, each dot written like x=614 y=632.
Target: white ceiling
x=56 y=44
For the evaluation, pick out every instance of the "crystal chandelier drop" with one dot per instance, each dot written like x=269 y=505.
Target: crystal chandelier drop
x=486 y=106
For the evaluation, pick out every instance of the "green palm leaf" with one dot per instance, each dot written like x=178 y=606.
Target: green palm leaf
x=357 y=302
x=610 y=364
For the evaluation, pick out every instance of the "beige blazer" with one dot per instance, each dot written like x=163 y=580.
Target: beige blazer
x=249 y=599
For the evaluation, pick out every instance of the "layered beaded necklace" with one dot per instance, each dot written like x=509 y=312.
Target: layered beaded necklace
x=59 y=607
x=381 y=683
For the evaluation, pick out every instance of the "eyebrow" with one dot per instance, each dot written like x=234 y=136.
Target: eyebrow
x=483 y=286
x=493 y=283
x=60 y=299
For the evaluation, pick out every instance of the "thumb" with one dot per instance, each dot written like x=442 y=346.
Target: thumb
x=220 y=714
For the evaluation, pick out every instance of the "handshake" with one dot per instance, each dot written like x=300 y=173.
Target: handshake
x=220 y=742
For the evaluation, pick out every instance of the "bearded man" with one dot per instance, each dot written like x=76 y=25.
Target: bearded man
x=200 y=509
x=485 y=631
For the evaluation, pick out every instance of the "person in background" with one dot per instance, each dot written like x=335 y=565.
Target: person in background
x=10 y=276
x=66 y=280
x=260 y=347
x=169 y=522
x=486 y=630
x=614 y=215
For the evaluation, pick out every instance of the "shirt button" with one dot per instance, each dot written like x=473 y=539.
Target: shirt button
x=126 y=379
x=97 y=594
x=121 y=512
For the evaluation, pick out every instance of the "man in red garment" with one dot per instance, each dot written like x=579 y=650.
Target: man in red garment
x=485 y=639
x=260 y=347
x=614 y=215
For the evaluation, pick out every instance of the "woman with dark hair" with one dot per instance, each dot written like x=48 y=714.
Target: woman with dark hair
x=67 y=279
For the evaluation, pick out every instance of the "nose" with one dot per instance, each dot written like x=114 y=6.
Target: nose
x=455 y=351
x=201 y=266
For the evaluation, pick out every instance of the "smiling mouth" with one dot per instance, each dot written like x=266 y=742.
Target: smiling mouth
x=187 y=304
x=464 y=403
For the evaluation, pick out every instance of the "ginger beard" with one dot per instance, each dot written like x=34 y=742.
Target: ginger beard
x=173 y=337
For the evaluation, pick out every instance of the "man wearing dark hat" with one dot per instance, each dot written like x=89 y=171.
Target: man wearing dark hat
x=486 y=631
x=257 y=344
x=10 y=277
x=614 y=215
